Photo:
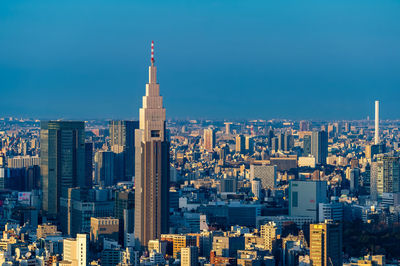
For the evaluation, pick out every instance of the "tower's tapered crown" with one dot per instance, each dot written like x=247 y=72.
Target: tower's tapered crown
x=152 y=114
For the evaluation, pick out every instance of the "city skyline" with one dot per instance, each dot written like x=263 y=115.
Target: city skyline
x=265 y=146
x=337 y=65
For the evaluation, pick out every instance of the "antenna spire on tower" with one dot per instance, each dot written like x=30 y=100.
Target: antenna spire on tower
x=152 y=52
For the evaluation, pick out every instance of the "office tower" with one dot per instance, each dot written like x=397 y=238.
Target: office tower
x=326 y=244
x=271 y=135
x=249 y=146
x=319 y=146
x=169 y=239
x=80 y=205
x=123 y=200
x=304 y=197
x=242 y=214
x=152 y=166
x=331 y=131
x=304 y=125
x=174 y=175
x=62 y=161
x=125 y=212
x=189 y=256
x=338 y=128
x=228 y=128
x=88 y=164
x=347 y=127
x=75 y=250
x=228 y=185
x=266 y=173
x=353 y=175
x=256 y=187
x=20 y=179
x=269 y=234
x=209 y=139
x=385 y=176
x=182 y=241
x=307 y=145
x=223 y=152
x=240 y=144
x=366 y=178
x=101 y=228
x=275 y=144
x=105 y=168
x=374 y=149
x=281 y=141
x=376 y=122
x=128 y=228
x=173 y=199
x=288 y=142
x=122 y=141
x=330 y=211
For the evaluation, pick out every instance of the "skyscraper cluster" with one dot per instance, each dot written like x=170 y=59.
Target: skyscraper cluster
x=198 y=192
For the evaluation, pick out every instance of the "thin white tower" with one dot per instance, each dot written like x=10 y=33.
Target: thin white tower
x=376 y=122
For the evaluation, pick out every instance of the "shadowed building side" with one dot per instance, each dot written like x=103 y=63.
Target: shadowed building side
x=62 y=161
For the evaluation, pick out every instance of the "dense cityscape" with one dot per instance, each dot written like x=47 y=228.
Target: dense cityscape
x=199 y=192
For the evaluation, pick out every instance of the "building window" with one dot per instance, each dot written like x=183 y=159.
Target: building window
x=295 y=200
x=155 y=133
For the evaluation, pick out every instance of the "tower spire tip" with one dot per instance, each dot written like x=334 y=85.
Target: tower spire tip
x=152 y=52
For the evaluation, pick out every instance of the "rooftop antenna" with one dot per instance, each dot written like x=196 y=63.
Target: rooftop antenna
x=152 y=52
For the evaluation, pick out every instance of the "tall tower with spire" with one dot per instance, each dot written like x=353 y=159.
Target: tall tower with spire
x=151 y=165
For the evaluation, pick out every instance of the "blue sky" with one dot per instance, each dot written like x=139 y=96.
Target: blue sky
x=313 y=59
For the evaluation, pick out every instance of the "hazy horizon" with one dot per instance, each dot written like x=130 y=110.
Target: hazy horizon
x=216 y=59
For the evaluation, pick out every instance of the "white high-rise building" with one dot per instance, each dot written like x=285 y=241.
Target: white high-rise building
x=189 y=256
x=209 y=139
x=75 y=250
x=385 y=176
x=256 y=187
x=376 y=122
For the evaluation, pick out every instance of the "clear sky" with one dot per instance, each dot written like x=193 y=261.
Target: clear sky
x=299 y=59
